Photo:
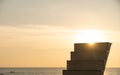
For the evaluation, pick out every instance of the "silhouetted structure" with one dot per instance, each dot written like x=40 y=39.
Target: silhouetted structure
x=88 y=59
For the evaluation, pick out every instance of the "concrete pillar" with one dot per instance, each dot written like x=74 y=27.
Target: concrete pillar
x=88 y=59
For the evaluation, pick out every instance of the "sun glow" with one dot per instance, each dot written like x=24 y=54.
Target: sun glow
x=89 y=36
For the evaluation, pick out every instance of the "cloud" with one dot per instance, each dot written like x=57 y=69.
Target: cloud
x=33 y=30
x=76 y=14
x=1 y=0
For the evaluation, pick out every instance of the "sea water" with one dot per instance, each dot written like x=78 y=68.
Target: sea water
x=31 y=71
x=46 y=71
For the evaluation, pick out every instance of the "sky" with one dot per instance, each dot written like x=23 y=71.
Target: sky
x=42 y=33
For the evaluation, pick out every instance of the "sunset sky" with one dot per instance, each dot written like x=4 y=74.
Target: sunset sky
x=41 y=33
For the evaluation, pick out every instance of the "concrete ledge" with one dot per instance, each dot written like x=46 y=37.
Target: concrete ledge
x=97 y=46
x=86 y=65
x=89 y=55
x=82 y=72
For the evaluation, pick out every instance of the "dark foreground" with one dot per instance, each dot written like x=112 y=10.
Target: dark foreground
x=46 y=71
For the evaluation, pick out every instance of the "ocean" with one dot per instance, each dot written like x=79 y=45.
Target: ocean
x=46 y=71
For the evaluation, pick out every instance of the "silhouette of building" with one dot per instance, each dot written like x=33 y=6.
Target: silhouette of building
x=88 y=59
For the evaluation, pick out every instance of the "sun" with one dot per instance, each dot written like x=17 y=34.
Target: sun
x=89 y=36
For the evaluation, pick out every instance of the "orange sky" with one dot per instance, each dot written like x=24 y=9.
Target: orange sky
x=41 y=33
